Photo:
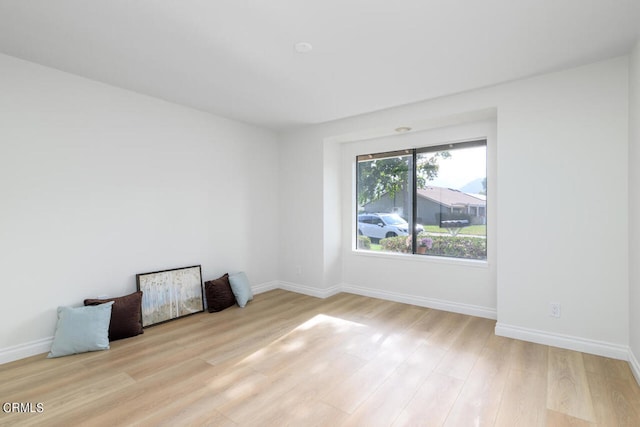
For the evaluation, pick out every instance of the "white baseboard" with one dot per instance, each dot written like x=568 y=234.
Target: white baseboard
x=311 y=291
x=265 y=287
x=635 y=366
x=456 y=307
x=43 y=345
x=27 y=349
x=600 y=348
x=541 y=337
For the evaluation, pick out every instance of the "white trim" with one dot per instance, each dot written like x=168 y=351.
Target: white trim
x=600 y=348
x=309 y=290
x=27 y=349
x=461 y=262
x=635 y=366
x=265 y=287
x=43 y=345
x=438 y=304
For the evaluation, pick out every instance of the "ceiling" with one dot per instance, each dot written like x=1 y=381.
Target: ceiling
x=236 y=58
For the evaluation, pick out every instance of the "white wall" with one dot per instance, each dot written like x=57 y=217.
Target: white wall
x=301 y=213
x=562 y=210
x=562 y=234
x=98 y=184
x=634 y=209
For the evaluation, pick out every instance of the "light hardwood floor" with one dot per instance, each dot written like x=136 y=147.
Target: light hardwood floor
x=290 y=359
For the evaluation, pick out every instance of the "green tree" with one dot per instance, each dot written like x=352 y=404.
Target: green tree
x=391 y=175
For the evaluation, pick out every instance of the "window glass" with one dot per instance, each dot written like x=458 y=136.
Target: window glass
x=436 y=208
x=384 y=191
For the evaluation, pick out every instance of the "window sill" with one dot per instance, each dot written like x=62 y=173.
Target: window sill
x=422 y=258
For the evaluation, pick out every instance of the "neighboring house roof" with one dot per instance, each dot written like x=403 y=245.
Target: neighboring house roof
x=450 y=197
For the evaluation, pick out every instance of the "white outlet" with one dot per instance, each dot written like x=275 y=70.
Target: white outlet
x=554 y=309
x=298 y=270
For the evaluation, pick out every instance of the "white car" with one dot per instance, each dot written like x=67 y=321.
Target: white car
x=380 y=225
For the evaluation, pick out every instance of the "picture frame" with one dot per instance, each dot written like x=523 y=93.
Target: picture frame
x=170 y=294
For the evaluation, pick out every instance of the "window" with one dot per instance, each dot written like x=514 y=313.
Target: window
x=426 y=201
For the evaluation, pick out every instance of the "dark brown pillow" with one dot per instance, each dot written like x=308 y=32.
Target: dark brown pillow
x=219 y=294
x=126 y=315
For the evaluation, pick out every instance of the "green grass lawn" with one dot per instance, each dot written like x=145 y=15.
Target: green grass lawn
x=474 y=230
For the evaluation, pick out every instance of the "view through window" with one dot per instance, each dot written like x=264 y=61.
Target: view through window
x=427 y=201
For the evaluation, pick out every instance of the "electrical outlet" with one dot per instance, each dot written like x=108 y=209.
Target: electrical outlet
x=298 y=270
x=554 y=309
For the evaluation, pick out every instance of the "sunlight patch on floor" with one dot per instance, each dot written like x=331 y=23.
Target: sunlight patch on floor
x=299 y=338
x=340 y=325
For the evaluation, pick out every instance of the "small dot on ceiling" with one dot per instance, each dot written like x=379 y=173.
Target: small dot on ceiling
x=303 y=47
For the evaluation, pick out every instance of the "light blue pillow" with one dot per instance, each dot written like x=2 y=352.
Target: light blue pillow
x=81 y=329
x=241 y=288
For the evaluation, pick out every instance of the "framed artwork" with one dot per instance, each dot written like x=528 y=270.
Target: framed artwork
x=170 y=294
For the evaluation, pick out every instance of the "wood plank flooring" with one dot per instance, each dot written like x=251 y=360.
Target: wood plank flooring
x=348 y=360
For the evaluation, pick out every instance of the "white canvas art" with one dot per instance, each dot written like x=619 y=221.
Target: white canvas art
x=170 y=294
